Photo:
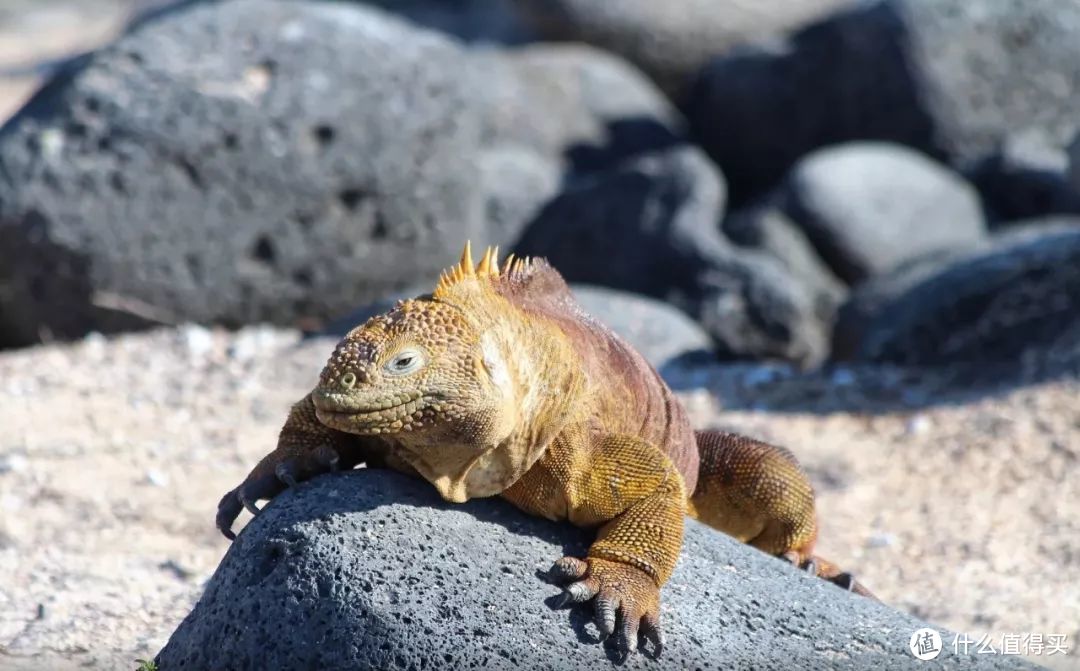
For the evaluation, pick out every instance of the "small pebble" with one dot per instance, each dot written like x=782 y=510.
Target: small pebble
x=917 y=425
x=881 y=539
x=12 y=463
x=199 y=340
x=157 y=478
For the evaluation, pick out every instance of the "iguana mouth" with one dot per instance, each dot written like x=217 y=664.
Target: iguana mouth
x=397 y=412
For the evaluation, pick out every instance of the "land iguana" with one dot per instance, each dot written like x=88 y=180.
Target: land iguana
x=498 y=383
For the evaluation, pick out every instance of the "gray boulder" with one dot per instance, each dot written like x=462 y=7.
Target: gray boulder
x=372 y=570
x=871 y=207
x=1018 y=292
x=669 y=40
x=949 y=77
x=651 y=226
x=658 y=330
x=573 y=104
x=279 y=161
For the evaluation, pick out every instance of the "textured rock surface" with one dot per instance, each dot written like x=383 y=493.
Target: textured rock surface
x=670 y=40
x=871 y=207
x=1019 y=291
x=221 y=165
x=373 y=570
x=651 y=226
x=952 y=77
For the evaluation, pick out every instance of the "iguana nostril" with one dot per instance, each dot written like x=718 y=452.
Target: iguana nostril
x=348 y=380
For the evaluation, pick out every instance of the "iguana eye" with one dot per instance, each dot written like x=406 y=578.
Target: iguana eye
x=405 y=362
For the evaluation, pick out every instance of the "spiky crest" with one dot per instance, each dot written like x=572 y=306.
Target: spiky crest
x=482 y=274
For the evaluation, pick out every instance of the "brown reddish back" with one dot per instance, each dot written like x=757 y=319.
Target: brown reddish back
x=629 y=396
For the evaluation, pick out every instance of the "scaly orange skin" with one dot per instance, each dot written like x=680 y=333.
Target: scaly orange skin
x=499 y=384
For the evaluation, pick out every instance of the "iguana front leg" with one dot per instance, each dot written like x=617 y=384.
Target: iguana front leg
x=305 y=448
x=634 y=491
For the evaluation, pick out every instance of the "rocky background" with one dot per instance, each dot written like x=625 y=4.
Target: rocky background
x=853 y=228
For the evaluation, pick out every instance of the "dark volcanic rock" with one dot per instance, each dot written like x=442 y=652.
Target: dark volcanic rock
x=766 y=228
x=1025 y=179
x=1018 y=292
x=481 y=21
x=371 y=570
x=871 y=207
x=651 y=226
x=951 y=77
x=669 y=40
x=1074 y=164
x=279 y=161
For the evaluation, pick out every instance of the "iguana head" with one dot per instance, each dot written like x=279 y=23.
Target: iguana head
x=436 y=377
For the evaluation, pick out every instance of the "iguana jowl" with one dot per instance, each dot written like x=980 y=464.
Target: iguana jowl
x=499 y=384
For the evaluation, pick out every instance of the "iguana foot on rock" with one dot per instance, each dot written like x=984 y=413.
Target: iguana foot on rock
x=305 y=449
x=287 y=473
x=498 y=384
x=816 y=566
x=624 y=596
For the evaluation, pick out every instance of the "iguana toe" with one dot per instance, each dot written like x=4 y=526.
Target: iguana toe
x=651 y=631
x=287 y=471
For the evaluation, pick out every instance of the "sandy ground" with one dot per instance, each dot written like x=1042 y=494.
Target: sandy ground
x=115 y=452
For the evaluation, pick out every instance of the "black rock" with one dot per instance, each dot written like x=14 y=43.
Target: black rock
x=252 y=161
x=651 y=226
x=1074 y=164
x=474 y=21
x=1018 y=292
x=372 y=570
x=766 y=228
x=949 y=77
x=871 y=207
x=669 y=40
x=1025 y=179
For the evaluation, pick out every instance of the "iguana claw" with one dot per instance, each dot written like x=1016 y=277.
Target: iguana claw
x=826 y=571
x=286 y=472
